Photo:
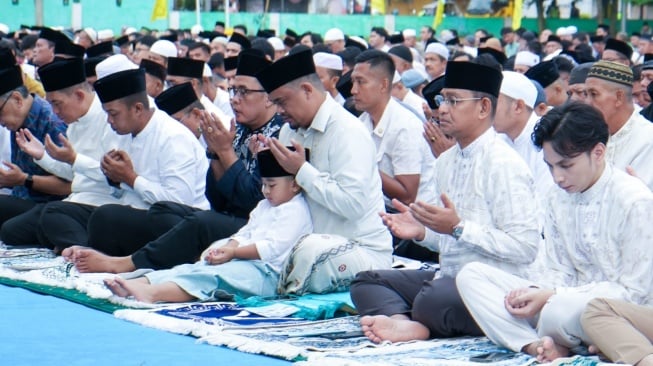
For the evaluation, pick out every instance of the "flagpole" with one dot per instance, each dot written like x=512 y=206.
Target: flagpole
x=226 y=13
x=197 y=12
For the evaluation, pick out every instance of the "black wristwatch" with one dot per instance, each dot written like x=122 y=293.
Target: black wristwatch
x=211 y=155
x=29 y=181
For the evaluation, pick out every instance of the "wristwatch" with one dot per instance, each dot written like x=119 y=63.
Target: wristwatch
x=29 y=181
x=211 y=155
x=458 y=230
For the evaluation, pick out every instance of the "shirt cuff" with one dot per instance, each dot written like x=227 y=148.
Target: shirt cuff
x=431 y=240
x=306 y=175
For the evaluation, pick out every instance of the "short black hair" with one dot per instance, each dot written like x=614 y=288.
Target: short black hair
x=378 y=59
x=572 y=129
x=201 y=45
x=380 y=31
x=263 y=45
x=506 y=30
x=241 y=27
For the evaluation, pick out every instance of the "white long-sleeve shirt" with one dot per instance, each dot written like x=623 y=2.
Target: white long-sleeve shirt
x=275 y=229
x=533 y=157
x=494 y=193
x=341 y=182
x=170 y=163
x=401 y=149
x=631 y=145
x=600 y=240
x=91 y=136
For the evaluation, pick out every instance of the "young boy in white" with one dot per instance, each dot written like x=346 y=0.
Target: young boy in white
x=248 y=263
x=598 y=244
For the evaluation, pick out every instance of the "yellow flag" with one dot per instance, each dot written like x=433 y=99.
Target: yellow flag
x=517 y=13
x=439 y=14
x=378 y=6
x=160 y=10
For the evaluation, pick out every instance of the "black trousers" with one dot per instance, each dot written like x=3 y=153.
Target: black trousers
x=20 y=221
x=64 y=224
x=119 y=230
x=186 y=241
x=434 y=303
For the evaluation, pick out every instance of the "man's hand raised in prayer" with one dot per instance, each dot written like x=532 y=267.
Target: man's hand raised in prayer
x=439 y=219
x=65 y=153
x=403 y=225
x=218 y=139
x=118 y=167
x=29 y=144
x=289 y=160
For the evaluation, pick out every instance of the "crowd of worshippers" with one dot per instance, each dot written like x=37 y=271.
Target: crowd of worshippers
x=210 y=166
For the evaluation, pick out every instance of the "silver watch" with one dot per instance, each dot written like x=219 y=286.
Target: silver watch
x=458 y=230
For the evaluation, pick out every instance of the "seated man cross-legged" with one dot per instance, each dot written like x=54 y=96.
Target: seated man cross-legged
x=597 y=242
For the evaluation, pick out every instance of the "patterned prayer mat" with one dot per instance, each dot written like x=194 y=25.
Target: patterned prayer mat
x=275 y=327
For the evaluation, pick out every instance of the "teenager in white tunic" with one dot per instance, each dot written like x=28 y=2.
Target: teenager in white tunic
x=487 y=214
x=248 y=263
x=609 y=89
x=405 y=162
x=597 y=244
x=341 y=183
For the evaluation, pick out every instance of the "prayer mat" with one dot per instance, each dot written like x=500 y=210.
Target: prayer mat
x=40 y=270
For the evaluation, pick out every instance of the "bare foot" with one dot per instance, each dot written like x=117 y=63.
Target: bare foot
x=379 y=328
x=548 y=350
x=89 y=260
x=115 y=287
x=140 y=290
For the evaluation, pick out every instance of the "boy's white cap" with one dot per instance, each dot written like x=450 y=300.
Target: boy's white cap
x=114 y=64
x=130 y=30
x=277 y=43
x=4 y=28
x=438 y=49
x=517 y=86
x=164 y=48
x=527 y=58
x=409 y=33
x=360 y=40
x=334 y=34
x=327 y=60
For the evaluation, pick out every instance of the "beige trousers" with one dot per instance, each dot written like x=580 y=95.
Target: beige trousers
x=621 y=330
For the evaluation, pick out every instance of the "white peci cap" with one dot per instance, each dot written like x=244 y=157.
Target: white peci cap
x=164 y=48
x=327 y=60
x=114 y=64
x=334 y=34
x=517 y=86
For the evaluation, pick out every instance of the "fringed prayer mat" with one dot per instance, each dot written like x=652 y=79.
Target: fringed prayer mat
x=39 y=270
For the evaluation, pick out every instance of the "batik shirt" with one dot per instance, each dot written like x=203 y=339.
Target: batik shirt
x=631 y=146
x=494 y=194
x=40 y=121
x=600 y=239
x=239 y=189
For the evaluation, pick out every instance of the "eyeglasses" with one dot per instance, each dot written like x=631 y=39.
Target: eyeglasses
x=450 y=101
x=243 y=92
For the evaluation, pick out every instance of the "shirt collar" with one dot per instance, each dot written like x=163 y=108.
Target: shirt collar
x=478 y=144
x=598 y=186
x=382 y=126
x=321 y=118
